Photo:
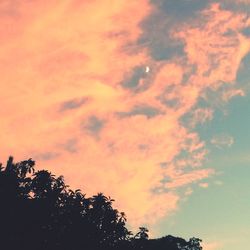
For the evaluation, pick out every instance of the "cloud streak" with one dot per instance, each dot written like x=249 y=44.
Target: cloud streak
x=222 y=140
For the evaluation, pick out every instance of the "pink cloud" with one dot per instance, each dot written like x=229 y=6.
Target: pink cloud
x=63 y=69
x=201 y=116
x=187 y=178
x=227 y=95
x=204 y=185
x=222 y=140
x=216 y=46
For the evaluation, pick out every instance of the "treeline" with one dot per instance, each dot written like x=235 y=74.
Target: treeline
x=39 y=211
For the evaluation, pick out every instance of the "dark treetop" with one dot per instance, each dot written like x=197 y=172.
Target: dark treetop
x=38 y=211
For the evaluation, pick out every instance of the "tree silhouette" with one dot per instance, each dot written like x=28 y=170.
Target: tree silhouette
x=142 y=234
x=39 y=211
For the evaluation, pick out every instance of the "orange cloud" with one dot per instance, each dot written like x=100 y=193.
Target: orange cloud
x=184 y=179
x=204 y=185
x=80 y=95
x=216 y=47
x=227 y=95
x=200 y=116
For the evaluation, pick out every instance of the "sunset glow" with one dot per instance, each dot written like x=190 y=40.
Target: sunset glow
x=114 y=94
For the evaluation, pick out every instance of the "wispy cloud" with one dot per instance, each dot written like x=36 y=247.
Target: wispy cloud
x=222 y=140
x=204 y=185
x=227 y=95
x=200 y=116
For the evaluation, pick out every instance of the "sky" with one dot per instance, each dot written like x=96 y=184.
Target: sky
x=145 y=101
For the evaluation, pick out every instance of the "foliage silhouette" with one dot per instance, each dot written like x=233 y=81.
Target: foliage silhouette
x=39 y=211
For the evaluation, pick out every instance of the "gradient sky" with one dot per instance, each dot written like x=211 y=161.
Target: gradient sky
x=146 y=101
